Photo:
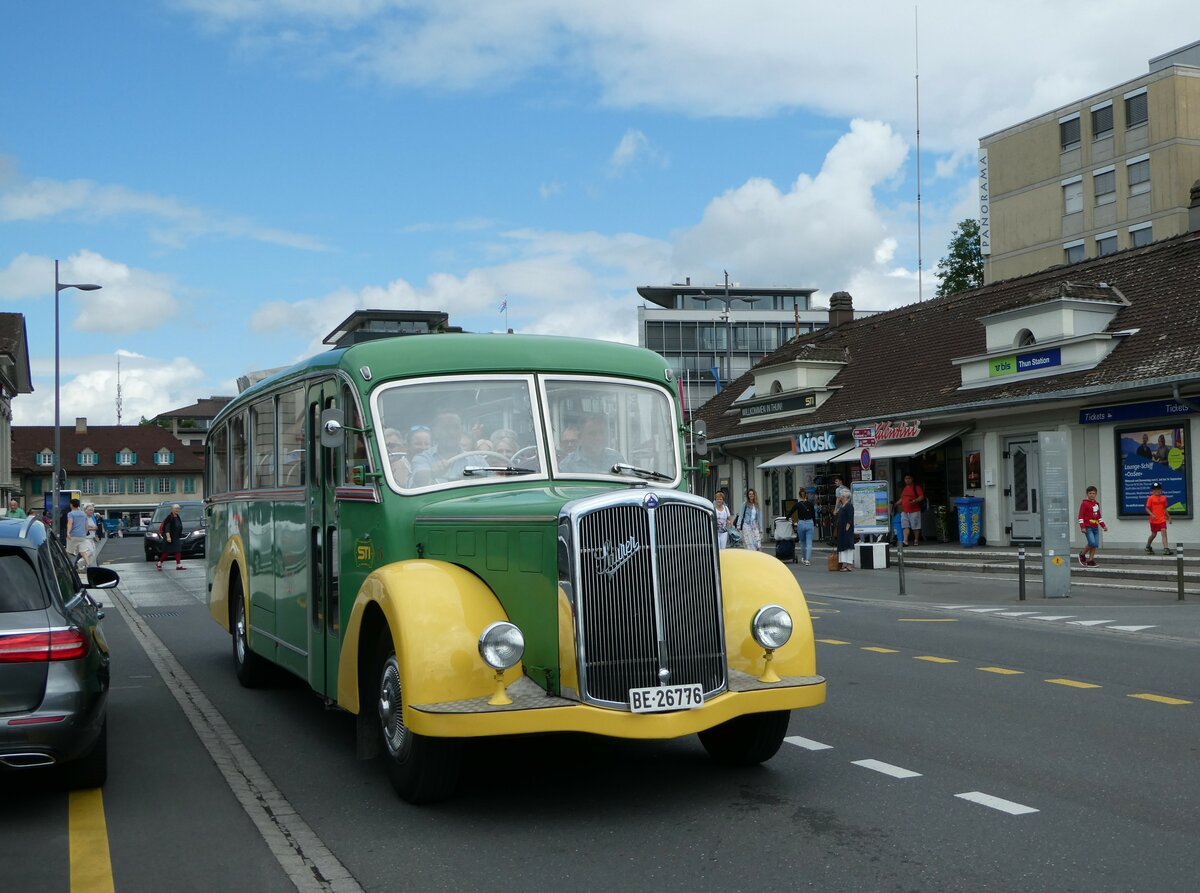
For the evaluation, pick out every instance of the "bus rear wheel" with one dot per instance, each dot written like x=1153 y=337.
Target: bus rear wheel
x=746 y=740
x=421 y=769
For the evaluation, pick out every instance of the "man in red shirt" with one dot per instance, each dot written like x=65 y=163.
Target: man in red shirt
x=1156 y=507
x=909 y=504
x=1091 y=522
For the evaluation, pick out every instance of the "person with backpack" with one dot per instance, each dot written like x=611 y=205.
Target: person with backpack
x=171 y=530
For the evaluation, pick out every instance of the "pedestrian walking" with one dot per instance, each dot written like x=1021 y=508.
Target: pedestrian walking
x=910 y=504
x=750 y=522
x=844 y=525
x=77 y=541
x=805 y=514
x=1156 y=508
x=723 y=518
x=1091 y=522
x=172 y=538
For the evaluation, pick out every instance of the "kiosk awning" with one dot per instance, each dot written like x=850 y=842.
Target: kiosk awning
x=785 y=460
x=914 y=446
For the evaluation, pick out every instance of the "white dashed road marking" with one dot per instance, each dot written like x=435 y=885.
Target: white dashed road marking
x=1052 y=617
x=807 y=743
x=887 y=769
x=1087 y=622
x=984 y=610
x=996 y=803
x=1131 y=629
x=1015 y=613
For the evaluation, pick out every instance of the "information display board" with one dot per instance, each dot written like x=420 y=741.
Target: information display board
x=872 y=506
x=1056 y=515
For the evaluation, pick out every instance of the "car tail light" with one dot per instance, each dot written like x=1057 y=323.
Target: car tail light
x=50 y=644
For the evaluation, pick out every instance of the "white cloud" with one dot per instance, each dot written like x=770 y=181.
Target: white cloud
x=548 y=190
x=174 y=223
x=633 y=147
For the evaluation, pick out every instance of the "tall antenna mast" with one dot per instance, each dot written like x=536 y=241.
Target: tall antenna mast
x=917 y=78
x=118 y=389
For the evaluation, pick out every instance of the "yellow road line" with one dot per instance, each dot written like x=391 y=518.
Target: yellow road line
x=1161 y=699
x=926 y=620
x=833 y=641
x=879 y=650
x=1072 y=683
x=1003 y=671
x=935 y=660
x=91 y=867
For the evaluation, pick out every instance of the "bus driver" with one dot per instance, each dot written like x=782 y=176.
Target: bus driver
x=593 y=454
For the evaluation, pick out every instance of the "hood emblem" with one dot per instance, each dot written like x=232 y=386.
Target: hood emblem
x=610 y=558
x=651 y=501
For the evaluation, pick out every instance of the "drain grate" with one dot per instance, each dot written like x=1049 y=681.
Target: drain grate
x=160 y=613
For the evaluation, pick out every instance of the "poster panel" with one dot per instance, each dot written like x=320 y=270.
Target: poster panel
x=1148 y=454
x=871 y=506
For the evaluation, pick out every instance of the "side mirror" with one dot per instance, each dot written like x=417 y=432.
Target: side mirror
x=332 y=422
x=102 y=577
x=700 y=437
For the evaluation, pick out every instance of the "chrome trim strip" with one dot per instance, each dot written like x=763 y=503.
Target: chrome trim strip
x=357 y=494
x=278 y=641
x=485 y=519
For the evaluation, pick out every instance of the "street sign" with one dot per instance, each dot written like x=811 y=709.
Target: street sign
x=865 y=459
x=865 y=441
x=864 y=433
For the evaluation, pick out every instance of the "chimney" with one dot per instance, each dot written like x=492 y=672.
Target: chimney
x=841 y=308
x=81 y=425
x=1194 y=209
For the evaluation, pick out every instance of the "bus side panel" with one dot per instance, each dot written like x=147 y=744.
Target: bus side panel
x=435 y=612
x=752 y=580
x=292 y=596
x=254 y=519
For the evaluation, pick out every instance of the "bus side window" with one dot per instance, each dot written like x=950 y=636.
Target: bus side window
x=291 y=438
x=354 y=452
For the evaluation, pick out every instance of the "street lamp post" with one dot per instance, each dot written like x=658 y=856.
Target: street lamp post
x=55 y=485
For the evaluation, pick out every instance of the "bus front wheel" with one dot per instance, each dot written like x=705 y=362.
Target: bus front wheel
x=249 y=666
x=746 y=740
x=421 y=769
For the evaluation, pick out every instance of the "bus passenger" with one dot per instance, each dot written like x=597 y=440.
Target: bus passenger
x=444 y=460
x=593 y=454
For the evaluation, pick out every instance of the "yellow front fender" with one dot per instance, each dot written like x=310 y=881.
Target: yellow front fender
x=218 y=597
x=435 y=612
x=750 y=580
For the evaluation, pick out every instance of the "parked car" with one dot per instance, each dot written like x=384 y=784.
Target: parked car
x=191 y=512
x=54 y=661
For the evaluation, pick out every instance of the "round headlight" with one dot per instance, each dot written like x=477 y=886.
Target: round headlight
x=771 y=627
x=501 y=645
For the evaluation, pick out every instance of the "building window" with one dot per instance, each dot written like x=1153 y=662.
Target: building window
x=45 y=457
x=1102 y=121
x=37 y=486
x=1105 y=183
x=1136 y=110
x=1073 y=252
x=126 y=457
x=137 y=485
x=1068 y=131
x=1139 y=175
x=112 y=486
x=88 y=457
x=166 y=485
x=164 y=457
x=189 y=485
x=1072 y=195
x=1106 y=243
x=1025 y=338
x=1140 y=235
x=88 y=487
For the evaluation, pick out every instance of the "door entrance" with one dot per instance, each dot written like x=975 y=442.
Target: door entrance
x=1022 y=493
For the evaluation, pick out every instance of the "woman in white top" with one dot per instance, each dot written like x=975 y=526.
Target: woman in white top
x=722 y=511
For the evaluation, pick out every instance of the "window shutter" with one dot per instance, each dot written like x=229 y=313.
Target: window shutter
x=1102 y=121
x=79 y=458
x=1136 y=111
x=171 y=458
x=133 y=458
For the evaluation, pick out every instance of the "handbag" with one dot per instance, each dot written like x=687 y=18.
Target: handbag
x=832 y=562
x=735 y=537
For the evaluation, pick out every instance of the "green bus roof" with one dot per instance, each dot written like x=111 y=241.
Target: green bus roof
x=417 y=355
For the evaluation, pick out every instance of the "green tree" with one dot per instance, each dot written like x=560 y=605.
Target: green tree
x=962 y=268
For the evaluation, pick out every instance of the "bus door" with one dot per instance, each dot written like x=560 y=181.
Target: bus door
x=324 y=476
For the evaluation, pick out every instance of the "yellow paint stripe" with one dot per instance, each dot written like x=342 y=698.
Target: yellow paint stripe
x=833 y=641
x=935 y=660
x=1072 y=683
x=926 y=620
x=1161 y=699
x=879 y=650
x=91 y=867
x=1002 y=671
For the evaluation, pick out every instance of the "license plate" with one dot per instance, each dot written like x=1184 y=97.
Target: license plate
x=665 y=697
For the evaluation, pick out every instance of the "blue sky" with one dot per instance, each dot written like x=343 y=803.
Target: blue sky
x=240 y=175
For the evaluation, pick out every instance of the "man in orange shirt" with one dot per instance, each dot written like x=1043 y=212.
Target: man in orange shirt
x=1156 y=506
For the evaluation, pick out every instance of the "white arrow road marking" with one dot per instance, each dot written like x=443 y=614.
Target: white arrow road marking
x=807 y=743
x=1087 y=622
x=984 y=610
x=996 y=803
x=1132 y=629
x=1053 y=617
x=887 y=769
x=1016 y=613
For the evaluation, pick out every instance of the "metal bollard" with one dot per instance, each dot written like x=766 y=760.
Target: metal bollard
x=1179 y=567
x=1021 y=572
x=900 y=563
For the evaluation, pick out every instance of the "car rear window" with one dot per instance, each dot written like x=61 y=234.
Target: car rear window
x=20 y=589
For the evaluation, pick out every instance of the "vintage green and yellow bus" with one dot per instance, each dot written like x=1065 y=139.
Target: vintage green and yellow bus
x=455 y=535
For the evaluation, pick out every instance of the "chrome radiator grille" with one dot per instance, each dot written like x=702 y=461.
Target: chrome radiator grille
x=647 y=600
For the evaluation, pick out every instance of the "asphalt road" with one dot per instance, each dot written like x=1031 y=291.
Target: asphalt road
x=957 y=751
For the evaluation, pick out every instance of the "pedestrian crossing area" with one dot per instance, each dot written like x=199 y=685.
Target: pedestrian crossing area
x=1044 y=617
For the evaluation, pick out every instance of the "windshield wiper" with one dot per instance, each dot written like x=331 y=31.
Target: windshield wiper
x=622 y=468
x=496 y=469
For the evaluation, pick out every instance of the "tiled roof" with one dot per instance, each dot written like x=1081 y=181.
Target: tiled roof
x=107 y=441
x=204 y=408
x=900 y=360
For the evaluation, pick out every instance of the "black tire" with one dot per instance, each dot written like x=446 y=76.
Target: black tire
x=149 y=555
x=91 y=769
x=746 y=740
x=421 y=769
x=250 y=668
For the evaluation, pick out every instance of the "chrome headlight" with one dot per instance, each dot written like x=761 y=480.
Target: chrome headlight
x=501 y=645
x=771 y=627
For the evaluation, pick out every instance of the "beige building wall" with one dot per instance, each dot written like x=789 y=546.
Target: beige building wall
x=1030 y=229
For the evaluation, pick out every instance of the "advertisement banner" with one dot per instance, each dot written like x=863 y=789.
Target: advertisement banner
x=1148 y=455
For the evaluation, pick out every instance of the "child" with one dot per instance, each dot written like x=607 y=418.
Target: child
x=1091 y=523
x=1156 y=507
